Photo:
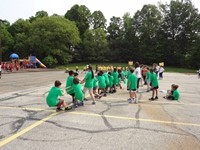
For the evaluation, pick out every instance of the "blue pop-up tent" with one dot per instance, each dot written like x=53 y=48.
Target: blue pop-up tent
x=14 y=56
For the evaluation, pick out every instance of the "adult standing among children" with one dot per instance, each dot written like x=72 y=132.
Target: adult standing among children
x=88 y=80
x=137 y=72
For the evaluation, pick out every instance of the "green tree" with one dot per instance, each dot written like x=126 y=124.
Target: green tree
x=98 y=20
x=115 y=36
x=81 y=16
x=6 y=40
x=147 y=22
x=95 y=45
x=20 y=33
x=178 y=31
x=39 y=14
x=53 y=36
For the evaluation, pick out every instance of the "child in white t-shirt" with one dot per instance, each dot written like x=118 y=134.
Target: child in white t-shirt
x=137 y=72
x=161 y=70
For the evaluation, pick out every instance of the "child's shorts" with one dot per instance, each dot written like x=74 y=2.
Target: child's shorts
x=133 y=90
x=60 y=103
x=155 y=87
x=73 y=94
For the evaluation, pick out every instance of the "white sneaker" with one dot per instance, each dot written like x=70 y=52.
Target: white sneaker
x=136 y=100
x=130 y=100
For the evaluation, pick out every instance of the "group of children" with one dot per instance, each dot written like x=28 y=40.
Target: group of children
x=106 y=82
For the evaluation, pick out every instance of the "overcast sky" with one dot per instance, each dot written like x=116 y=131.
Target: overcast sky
x=12 y=10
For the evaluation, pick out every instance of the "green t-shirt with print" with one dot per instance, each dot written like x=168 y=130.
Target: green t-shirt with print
x=88 y=80
x=69 y=85
x=52 y=97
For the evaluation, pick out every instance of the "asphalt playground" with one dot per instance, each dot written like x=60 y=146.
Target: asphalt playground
x=26 y=122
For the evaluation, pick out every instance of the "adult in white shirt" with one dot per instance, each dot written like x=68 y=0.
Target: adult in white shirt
x=138 y=73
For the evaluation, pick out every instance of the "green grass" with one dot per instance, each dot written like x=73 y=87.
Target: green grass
x=179 y=70
x=82 y=65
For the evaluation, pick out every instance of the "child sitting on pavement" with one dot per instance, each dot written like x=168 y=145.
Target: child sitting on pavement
x=173 y=94
x=53 y=100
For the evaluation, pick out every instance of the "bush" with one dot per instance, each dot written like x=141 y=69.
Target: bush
x=50 y=61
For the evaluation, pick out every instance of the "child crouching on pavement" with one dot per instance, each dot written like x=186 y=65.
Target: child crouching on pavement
x=53 y=100
x=79 y=96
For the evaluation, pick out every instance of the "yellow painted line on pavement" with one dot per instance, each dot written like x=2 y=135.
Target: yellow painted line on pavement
x=24 y=108
x=136 y=119
x=118 y=117
x=14 y=136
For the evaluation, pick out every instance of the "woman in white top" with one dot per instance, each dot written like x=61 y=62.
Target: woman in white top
x=138 y=73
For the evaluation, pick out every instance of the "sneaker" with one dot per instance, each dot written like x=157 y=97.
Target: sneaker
x=68 y=108
x=75 y=105
x=130 y=100
x=151 y=99
x=58 y=109
x=156 y=97
x=85 y=99
x=104 y=95
x=81 y=104
x=148 y=90
x=93 y=103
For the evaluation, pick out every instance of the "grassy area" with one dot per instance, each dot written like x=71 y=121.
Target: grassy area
x=82 y=65
x=180 y=70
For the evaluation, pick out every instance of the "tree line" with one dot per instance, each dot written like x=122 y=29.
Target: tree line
x=167 y=33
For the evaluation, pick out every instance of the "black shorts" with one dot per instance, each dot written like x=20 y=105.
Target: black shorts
x=133 y=90
x=155 y=88
x=73 y=94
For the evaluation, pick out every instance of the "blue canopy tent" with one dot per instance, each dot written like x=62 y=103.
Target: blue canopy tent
x=14 y=56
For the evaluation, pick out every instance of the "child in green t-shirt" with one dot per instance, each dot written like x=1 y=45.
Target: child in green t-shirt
x=53 y=100
x=132 y=86
x=155 y=86
x=95 y=86
x=79 y=96
x=69 y=84
x=111 y=78
x=174 y=93
x=102 y=83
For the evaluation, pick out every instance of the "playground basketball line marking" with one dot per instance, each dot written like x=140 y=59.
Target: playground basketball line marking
x=114 y=117
x=14 y=136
